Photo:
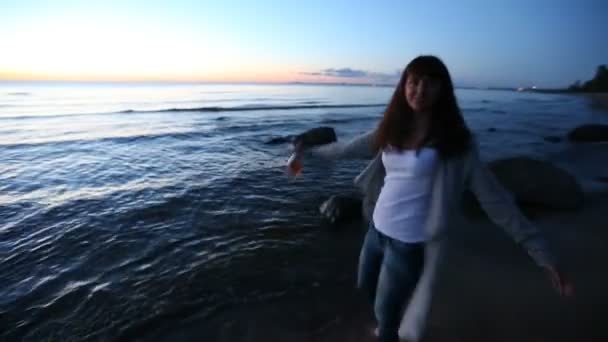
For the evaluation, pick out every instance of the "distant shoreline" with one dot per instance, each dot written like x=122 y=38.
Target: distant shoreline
x=599 y=100
x=167 y=83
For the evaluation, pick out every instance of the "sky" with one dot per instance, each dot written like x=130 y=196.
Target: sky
x=508 y=43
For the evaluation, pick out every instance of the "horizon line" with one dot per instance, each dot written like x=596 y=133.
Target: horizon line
x=331 y=83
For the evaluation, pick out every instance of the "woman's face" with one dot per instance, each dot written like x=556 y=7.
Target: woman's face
x=421 y=92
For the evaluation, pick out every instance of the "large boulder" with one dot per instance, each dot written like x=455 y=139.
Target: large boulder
x=279 y=140
x=538 y=183
x=317 y=136
x=589 y=133
x=340 y=209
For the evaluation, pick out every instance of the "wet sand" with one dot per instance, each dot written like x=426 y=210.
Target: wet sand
x=493 y=292
x=489 y=290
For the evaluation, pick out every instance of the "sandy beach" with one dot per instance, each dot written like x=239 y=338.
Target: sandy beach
x=490 y=290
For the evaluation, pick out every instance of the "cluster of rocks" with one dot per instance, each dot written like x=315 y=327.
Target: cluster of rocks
x=532 y=182
x=590 y=133
x=313 y=137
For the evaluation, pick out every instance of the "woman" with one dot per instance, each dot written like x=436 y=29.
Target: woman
x=424 y=158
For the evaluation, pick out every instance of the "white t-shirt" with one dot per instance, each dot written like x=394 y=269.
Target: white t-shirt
x=404 y=201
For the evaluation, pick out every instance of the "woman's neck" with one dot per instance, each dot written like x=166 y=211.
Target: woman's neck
x=421 y=122
x=420 y=117
x=421 y=125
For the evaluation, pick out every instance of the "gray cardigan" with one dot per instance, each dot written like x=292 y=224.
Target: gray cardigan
x=453 y=177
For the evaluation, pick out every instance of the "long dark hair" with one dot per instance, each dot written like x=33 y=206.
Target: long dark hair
x=448 y=132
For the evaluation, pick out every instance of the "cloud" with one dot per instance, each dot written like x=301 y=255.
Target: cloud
x=345 y=72
x=361 y=75
x=342 y=72
x=385 y=77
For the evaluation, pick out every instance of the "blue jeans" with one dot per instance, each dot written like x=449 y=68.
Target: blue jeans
x=388 y=272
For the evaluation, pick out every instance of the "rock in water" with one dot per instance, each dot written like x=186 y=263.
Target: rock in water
x=589 y=133
x=340 y=209
x=538 y=183
x=279 y=140
x=317 y=136
x=553 y=139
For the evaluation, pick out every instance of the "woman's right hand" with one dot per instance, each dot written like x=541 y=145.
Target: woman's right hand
x=561 y=282
x=294 y=164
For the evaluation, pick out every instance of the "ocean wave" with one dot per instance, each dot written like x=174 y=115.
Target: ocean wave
x=345 y=120
x=191 y=135
x=212 y=109
x=187 y=135
x=252 y=108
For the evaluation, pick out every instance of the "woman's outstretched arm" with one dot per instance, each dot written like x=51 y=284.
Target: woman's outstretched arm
x=500 y=206
x=359 y=147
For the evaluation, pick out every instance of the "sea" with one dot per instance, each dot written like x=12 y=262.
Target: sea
x=130 y=207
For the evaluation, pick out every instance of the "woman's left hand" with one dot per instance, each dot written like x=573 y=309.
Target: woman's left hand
x=561 y=282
